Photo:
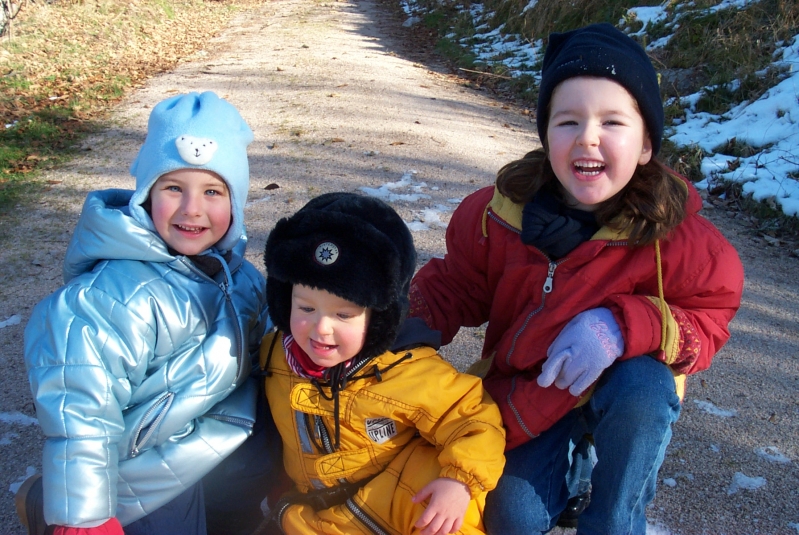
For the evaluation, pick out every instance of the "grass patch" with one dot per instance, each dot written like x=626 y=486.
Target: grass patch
x=685 y=160
x=456 y=53
x=547 y=17
x=69 y=61
x=771 y=220
x=726 y=45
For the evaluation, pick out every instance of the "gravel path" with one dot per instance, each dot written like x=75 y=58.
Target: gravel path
x=339 y=100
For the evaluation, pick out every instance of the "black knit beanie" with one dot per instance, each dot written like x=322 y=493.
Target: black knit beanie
x=603 y=51
x=353 y=246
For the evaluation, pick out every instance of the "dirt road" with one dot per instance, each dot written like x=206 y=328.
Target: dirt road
x=339 y=100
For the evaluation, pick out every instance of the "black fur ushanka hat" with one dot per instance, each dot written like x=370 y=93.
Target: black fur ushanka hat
x=350 y=245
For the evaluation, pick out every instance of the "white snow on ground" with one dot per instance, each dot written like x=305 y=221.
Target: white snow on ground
x=18 y=483
x=740 y=481
x=709 y=408
x=6 y=439
x=386 y=191
x=13 y=320
x=17 y=418
x=772 y=454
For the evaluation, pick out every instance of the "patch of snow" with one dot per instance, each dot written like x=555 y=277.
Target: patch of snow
x=14 y=487
x=709 y=408
x=17 y=418
x=742 y=481
x=12 y=320
x=5 y=440
x=772 y=454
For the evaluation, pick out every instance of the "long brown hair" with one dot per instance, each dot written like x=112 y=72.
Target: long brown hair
x=651 y=205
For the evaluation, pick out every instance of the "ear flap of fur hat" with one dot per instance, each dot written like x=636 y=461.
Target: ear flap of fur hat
x=195 y=131
x=353 y=246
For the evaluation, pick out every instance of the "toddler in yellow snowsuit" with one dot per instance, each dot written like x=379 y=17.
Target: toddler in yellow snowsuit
x=380 y=434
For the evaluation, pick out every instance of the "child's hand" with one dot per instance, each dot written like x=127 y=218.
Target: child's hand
x=449 y=499
x=584 y=348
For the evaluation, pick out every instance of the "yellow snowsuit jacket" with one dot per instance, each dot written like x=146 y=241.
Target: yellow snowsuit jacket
x=405 y=419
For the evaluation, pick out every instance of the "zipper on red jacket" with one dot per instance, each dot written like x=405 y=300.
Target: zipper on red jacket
x=547 y=288
x=502 y=223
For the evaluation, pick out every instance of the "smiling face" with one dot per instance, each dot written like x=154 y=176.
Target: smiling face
x=596 y=138
x=328 y=328
x=190 y=209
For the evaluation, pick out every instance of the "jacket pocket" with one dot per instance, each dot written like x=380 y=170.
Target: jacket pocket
x=239 y=407
x=146 y=430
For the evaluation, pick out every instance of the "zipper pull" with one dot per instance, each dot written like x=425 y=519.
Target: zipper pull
x=550 y=274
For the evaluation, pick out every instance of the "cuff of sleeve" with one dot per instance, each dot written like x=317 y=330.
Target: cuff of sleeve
x=110 y=527
x=475 y=487
x=418 y=306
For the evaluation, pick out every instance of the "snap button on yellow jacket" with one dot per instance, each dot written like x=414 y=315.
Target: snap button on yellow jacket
x=405 y=419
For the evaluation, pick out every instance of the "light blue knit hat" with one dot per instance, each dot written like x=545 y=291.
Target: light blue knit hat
x=195 y=131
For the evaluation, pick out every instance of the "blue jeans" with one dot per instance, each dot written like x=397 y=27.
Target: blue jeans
x=630 y=416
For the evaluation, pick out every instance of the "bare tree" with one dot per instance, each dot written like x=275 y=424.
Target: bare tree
x=8 y=11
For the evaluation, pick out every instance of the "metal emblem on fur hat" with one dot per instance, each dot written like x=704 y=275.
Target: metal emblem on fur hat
x=350 y=245
x=195 y=131
x=326 y=253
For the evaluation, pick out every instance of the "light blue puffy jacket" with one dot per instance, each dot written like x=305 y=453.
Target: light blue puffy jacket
x=138 y=368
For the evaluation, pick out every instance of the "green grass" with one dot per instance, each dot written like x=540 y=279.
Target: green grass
x=168 y=10
x=45 y=138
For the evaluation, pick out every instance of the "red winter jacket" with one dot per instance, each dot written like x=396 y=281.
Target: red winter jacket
x=489 y=275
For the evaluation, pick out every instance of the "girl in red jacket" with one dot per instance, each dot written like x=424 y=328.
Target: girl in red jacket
x=601 y=284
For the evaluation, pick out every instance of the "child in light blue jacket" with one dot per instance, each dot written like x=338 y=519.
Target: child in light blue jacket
x=139 y=364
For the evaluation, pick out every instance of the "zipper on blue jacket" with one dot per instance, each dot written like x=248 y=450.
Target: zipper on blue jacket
x=246 y=423
x=162 y=405
x=224 y=286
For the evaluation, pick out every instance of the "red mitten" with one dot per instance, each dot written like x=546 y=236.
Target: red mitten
x=111 y=527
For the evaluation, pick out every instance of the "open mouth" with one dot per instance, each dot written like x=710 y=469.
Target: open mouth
x=190 y=230
x=589 y=168
x=322 y=347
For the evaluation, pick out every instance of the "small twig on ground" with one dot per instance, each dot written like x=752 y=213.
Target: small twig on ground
x=486 y=73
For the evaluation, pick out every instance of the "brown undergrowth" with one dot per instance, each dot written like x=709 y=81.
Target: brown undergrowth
x=67 y=61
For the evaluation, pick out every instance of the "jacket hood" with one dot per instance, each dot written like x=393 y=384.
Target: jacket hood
x=106 y=231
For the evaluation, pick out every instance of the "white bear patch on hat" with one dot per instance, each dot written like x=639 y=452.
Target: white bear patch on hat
x=196 y=150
